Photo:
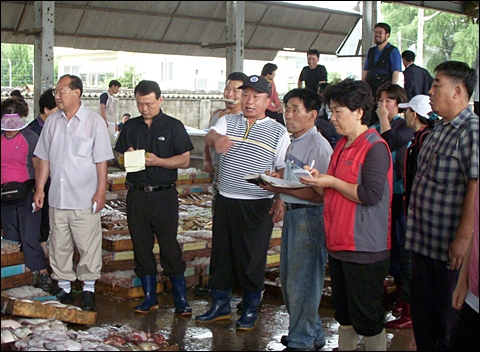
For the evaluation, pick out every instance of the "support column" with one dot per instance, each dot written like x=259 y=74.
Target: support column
x=235 y=32
x=43 y=49
x=369 y=19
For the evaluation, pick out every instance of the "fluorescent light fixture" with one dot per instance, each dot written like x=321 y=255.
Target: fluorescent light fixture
x=289 y=49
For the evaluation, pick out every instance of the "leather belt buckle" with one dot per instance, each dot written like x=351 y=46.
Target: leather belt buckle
x=150 y=188
x=293 y=206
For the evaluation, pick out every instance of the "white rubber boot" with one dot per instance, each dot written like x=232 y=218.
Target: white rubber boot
x=376 y=342
x=347 y=338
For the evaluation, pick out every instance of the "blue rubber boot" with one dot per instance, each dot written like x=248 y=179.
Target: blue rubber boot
x=179 y=292
x=249 y=316
x=220 y=309
x=149 y=285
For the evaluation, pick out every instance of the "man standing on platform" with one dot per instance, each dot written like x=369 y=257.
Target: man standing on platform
x=383 y=64
x=313 y=74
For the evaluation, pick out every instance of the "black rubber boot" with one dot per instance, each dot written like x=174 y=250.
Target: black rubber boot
x=179 y=292
x=220 y=309
x=249 y=316
x=149 y=285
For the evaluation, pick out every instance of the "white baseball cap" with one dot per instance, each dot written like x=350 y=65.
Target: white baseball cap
x=13 y=122
x=420 y=104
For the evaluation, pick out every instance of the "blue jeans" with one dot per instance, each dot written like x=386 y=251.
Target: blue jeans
x=302 y=274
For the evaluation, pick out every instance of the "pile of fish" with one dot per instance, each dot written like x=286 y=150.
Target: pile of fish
x=53 y=335
x=10 y=246
x=124 y=278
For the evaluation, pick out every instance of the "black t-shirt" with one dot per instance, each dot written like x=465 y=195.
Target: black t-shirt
x=165 y=138
x=312 y=77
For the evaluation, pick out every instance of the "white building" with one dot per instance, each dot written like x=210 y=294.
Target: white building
x=187 y=73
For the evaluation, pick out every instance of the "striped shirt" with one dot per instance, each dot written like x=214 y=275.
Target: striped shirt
x=447 y=160
x=257 y=148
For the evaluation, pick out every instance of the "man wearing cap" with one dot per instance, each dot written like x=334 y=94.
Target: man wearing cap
x=419 y=117
x=244 y=214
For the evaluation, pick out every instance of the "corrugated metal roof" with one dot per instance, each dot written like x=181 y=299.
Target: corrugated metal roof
x=181 y=27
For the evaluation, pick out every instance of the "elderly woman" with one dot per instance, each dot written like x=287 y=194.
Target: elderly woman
x=19 y=223
x=357 y=190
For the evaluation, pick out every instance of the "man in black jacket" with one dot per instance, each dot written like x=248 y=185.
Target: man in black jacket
x=417 y=79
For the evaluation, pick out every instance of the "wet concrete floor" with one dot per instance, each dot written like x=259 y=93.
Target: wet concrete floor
x=222 y=336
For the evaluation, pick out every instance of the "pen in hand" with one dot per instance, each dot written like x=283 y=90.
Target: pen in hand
x=312 y=164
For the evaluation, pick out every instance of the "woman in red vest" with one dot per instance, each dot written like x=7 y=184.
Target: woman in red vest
x=357 y=190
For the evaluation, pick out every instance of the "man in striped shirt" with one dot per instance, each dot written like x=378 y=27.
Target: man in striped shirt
x=244 y=214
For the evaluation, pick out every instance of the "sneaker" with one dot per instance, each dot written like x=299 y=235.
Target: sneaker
x=88 y=301
x=45 y=283
x=64 y=297
x=35 y=279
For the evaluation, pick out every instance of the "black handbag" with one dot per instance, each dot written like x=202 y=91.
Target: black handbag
x=12 y=192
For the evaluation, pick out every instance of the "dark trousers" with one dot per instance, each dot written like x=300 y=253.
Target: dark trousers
x=467 y=337
x=152 y=214
x=357 y=294
x=241 y=238
x=398 y=237
x=21 y=225
x=433 y=317
x=45 y=223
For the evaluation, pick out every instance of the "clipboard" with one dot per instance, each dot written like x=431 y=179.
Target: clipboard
x=134 y=160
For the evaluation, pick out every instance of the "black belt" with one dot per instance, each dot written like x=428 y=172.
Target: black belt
x=292 y=206
x=132 y=187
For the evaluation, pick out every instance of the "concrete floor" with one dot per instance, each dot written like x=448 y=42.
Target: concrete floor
x=222 y=336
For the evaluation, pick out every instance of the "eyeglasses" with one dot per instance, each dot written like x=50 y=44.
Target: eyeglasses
x=60 y=92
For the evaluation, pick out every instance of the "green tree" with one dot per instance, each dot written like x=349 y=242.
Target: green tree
x=334 y=77
x=446 y=36
x=21 y=58
x=130 y=77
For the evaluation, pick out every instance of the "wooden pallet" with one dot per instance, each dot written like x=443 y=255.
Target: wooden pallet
x=275 y=242
x=114 y=265
x=124 y=292
x=190 y=255
x=127 y=244
x=35 y=309
x=12 y=259
x=17 y=280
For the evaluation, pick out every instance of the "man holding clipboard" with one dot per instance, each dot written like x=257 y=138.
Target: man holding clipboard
x=152 y=198
x=303 y=254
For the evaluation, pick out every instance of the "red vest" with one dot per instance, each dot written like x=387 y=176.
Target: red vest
x=351 y=226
